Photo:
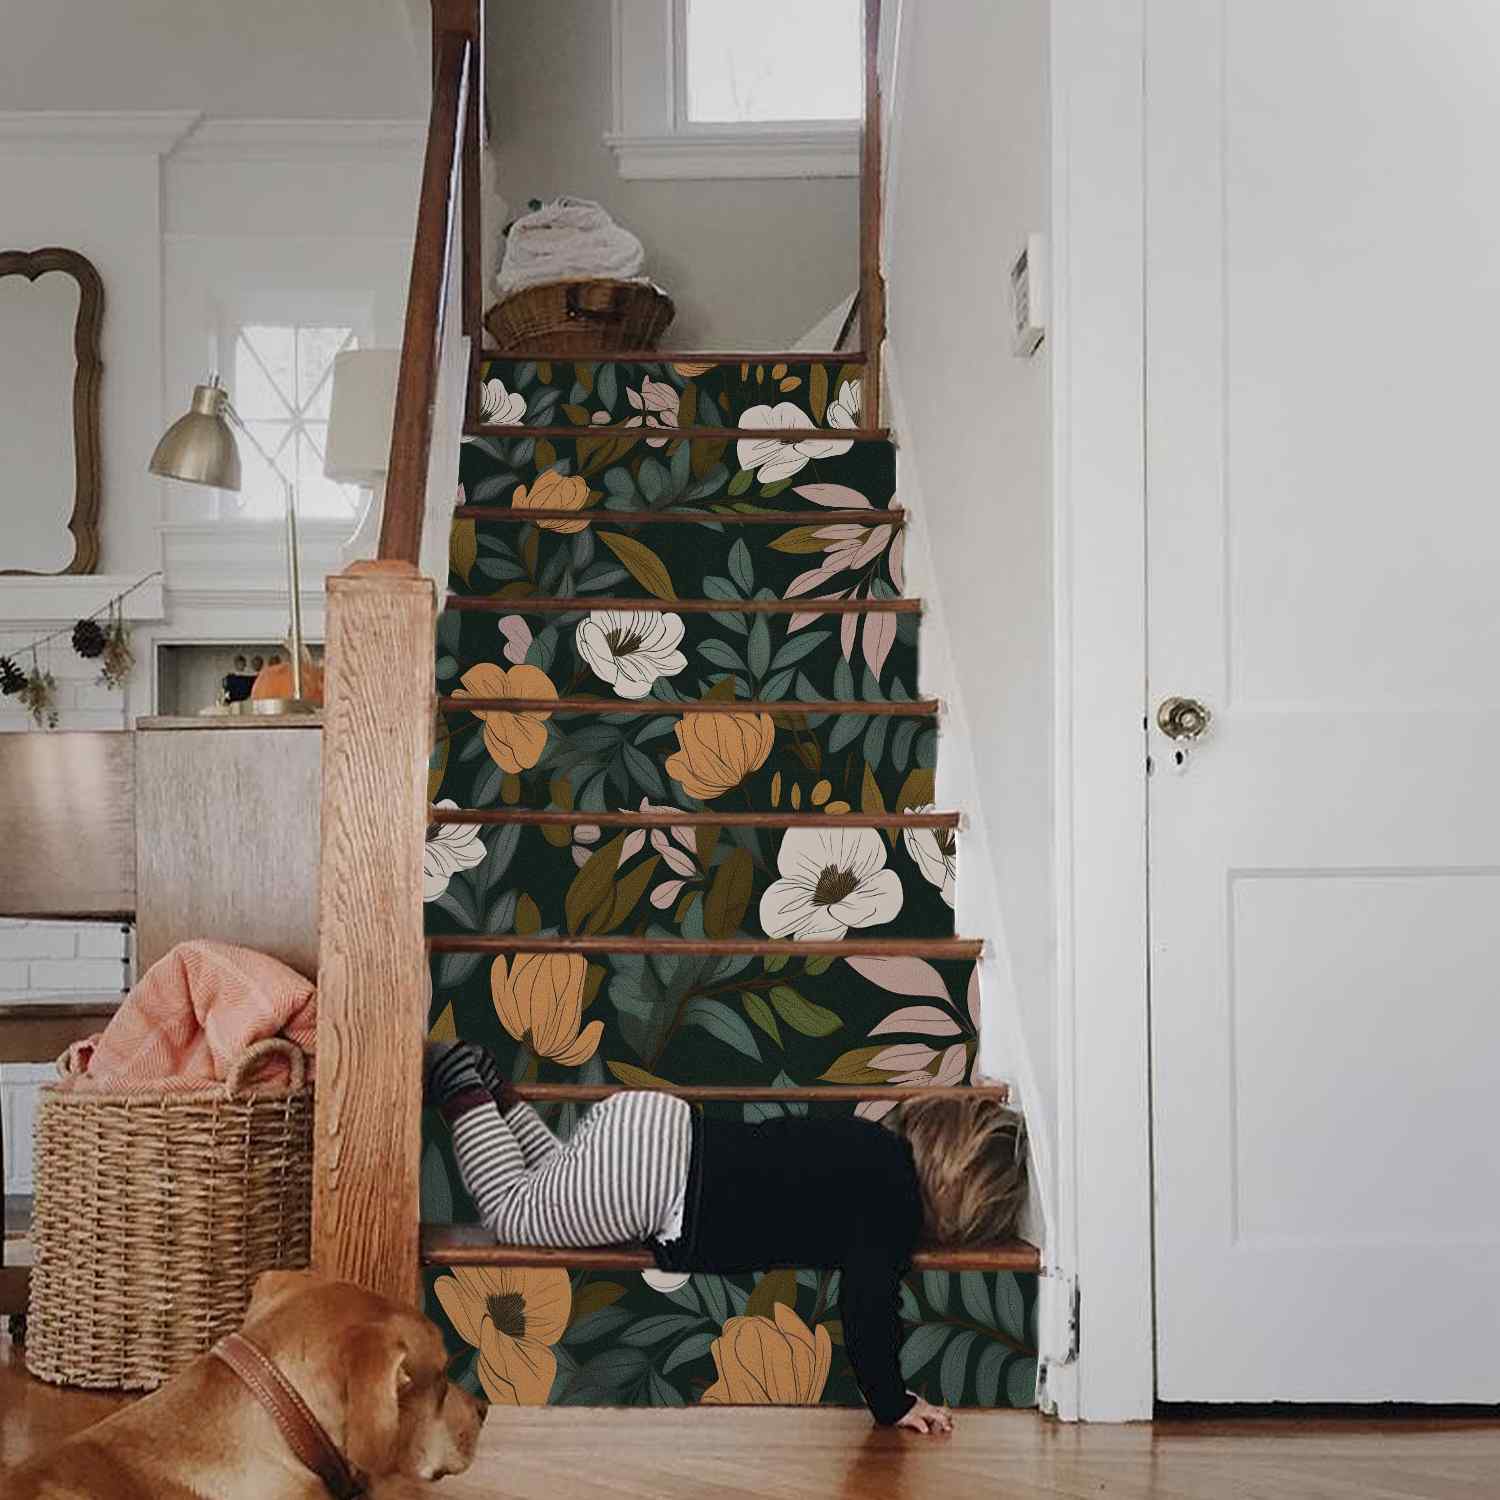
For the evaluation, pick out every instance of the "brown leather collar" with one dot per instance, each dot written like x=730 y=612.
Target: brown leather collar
x=301 y=1429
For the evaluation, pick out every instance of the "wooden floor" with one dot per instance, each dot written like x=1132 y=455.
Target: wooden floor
x=830 y=1455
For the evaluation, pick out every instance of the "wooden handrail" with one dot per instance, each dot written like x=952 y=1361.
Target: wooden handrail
x=427 y=295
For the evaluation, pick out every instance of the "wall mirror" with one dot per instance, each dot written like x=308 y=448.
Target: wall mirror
x=51 y=306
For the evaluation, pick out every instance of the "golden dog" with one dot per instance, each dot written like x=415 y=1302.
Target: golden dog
x=372 y=1374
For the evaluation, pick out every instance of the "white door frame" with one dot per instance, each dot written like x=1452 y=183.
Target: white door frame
x=1104 y=1227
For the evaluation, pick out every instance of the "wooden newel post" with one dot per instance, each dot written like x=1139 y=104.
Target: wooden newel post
x=372 y=971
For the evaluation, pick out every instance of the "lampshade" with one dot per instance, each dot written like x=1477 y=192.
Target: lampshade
x=362 y=410
x=200 y=447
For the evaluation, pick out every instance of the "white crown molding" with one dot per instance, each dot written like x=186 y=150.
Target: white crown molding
x=301 y=140
x=812 y=153
x=46 y=601
x=96 y=132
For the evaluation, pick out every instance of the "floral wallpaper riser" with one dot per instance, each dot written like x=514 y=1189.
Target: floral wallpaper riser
x=538 y=1335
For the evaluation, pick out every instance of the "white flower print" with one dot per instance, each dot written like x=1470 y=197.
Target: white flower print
x=844 y=410
x=656 y=405
x=832 y=879
x=630 y=649
x=451 y=847
x=775 y=460
x=498 y=405
x=933 y=851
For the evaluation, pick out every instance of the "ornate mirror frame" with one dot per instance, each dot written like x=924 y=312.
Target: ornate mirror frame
x=84 y=522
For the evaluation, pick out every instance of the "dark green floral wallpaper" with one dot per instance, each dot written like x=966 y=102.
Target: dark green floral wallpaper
x=759 y=519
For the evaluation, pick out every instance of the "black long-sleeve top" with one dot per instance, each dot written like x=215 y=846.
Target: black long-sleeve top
x=822 y=1194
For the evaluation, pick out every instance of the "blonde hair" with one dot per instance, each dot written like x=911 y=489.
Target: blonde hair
x=970 y=1156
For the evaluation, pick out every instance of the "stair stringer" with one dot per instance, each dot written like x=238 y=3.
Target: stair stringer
x=1006 y=1046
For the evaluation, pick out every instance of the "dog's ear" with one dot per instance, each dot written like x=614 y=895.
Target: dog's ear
x=272 y=1287
x=374 y=1360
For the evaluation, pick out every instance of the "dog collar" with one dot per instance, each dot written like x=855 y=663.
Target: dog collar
x=304 y=1434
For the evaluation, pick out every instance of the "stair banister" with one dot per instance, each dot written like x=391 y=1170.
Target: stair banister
x=377 y=736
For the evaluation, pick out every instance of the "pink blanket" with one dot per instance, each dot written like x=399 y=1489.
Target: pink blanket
x=192 y=1014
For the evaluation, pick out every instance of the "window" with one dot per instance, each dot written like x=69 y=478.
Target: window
x=281 y=387
x=713 y=88
x=780 y=61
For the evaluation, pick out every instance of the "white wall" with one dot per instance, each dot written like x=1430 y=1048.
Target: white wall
x=748 y=263
x=215 y=160
x=967 y=180
x=333 y=59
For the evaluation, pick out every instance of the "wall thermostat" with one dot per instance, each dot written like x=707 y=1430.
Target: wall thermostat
x=1028 y=296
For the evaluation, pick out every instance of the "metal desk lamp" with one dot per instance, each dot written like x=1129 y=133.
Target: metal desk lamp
x=200 y=448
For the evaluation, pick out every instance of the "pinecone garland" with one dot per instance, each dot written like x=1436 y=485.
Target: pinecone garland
x=12 y=678
x=88 y=639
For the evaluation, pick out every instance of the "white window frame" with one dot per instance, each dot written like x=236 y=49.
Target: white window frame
x=652 y=137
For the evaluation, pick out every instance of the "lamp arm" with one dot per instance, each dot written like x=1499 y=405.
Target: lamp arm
x=294 y=568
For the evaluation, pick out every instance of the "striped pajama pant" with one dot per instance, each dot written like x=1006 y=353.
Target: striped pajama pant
x=620 y=1178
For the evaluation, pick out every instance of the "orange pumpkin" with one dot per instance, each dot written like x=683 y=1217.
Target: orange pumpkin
x=274 y=680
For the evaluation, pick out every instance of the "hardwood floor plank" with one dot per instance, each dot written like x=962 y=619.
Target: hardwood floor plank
x=794 y=1454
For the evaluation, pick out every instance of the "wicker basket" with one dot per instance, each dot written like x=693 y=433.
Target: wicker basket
x=154 y=1215
x=581 y=317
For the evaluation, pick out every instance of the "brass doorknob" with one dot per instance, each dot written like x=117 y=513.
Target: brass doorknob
x=1182 y=718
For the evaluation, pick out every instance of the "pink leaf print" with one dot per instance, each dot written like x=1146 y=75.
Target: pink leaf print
x=874 y=1109
x=951 y=1069
x=832 y=496
x=926 y=1020
x=805 y=582
x=665 y=894
x=974 y=997
x=875 y=542
x=635 y=841
x=903 y=1057
x=847 y=628
x=517 y=635
x=901 y=976
x=898 y=562
x=845 y=532
x=676 y=860
x=880 y=632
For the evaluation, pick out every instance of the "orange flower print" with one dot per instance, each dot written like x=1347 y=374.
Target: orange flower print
x=539 y=1000
x=718 y=751
x=512 y=1317
x=554 y=491
x=770 y=1362
x=515 y=740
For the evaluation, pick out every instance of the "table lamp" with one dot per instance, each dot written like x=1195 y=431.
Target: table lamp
x=200 y=448
x=361 y=413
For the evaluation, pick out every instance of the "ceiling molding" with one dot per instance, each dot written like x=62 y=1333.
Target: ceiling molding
x=302 y=140
x=96 y=132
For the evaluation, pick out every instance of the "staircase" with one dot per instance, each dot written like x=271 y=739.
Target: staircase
x=683 y=836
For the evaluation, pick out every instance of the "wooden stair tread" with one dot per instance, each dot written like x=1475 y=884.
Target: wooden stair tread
x=554 y=605
x=875 y=516
x=491 y=354
x=717 y=1093
x=915 y=708
x=481 y=942
x=558 y=818
x=474 y=1245
x=678 y=434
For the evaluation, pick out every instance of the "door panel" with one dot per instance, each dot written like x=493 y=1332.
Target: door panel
x=1323 y=307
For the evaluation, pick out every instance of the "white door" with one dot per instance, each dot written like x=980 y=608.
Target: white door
x=1323 y=411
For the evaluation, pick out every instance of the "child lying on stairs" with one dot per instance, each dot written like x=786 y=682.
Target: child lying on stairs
x=710 y=1195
